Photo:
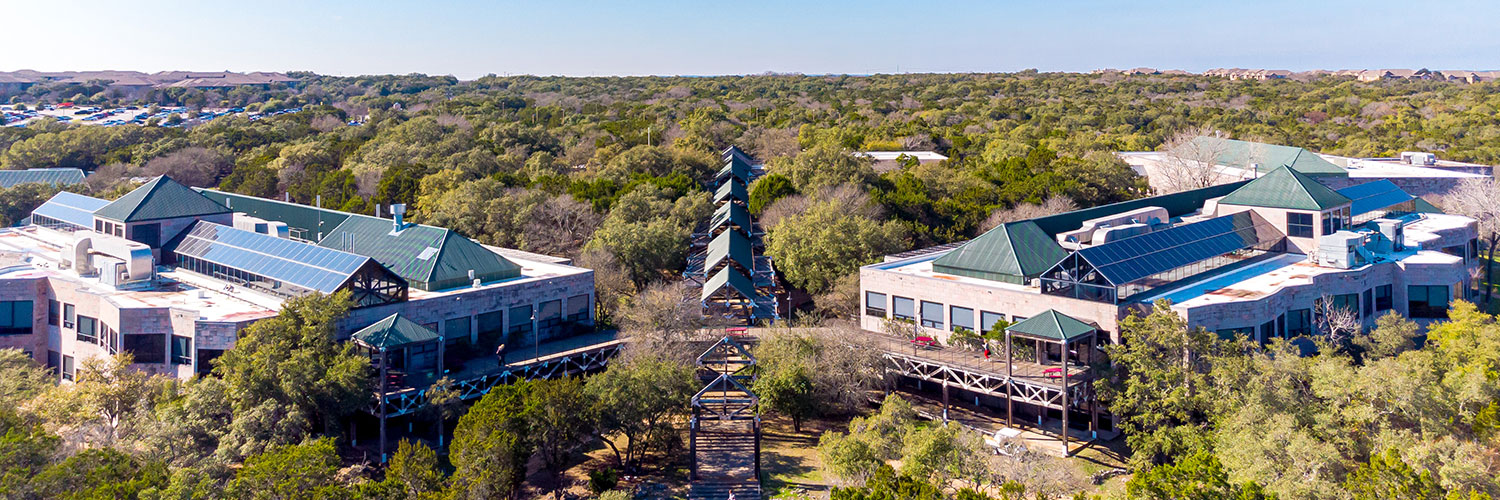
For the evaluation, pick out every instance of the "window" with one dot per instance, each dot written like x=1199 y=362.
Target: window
x=932 y=314
x=1369 y=303
x=904 y=308
x=1335 y=220
x=456 y=329
x=1299 y=322
x=549 y=318
x=67 y=315
x=1383 y=300
x=520 y=322
x=963 y=317
x=1474 y=248
x=147 y=234
x=206 y=359
x=182 y=350
x=109 y=338
x=1299 y=225
x=578 y=308
x=490 y=323
x=147 y=347
x=423 y=357
x=1267 y=330
x=1425 y=301
x=1347 y=302
x=989 y=319
x=15 y=317
x=1231 y=333
x=67 y=367
x=54 y=312
x=54 y=363
x=88 y=329
x=875 y=304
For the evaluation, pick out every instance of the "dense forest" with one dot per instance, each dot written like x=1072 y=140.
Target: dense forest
x=611 y=172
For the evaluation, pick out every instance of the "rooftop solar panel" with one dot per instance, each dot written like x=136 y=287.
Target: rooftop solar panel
x=1134 y=258
x=301 y=264
x=75 y=209
x=1372 y=196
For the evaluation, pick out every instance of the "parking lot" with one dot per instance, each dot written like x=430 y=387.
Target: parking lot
x=11 y=116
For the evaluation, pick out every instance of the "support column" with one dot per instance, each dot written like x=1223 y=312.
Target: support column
x=1093 y=394
x=693 y=446
x=1066 y=451
x=1010 y=393
x=385 y=364
x=757 y=447
x=945 y=400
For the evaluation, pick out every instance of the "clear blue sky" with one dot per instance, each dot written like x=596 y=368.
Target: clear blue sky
x=470 y=38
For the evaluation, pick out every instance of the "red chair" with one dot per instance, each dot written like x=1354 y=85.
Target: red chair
x=925 y=342
x=1052 y=373
x=738 y=331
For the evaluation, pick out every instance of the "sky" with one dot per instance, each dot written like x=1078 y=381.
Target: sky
x=471 y=38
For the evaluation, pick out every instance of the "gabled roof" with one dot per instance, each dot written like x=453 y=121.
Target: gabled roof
x=306 y=222
x=64 y=176
x=429 y=258
x=732 y=213
x=1286 y=188
x=1177 y=205
x=735 y=280
x=1052 y=325
x=736 y=152
x=733 y=165
x=1010 y=252
x=730 y=245
x=1372 y=196
x=394 y=331
x=1242 y=154
x=75 y=209
x=161 y=198
x=731 y=192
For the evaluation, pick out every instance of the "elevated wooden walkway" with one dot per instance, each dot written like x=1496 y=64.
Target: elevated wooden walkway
x=724 y=438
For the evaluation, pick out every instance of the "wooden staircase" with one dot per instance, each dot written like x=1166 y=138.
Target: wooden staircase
x=725 y=433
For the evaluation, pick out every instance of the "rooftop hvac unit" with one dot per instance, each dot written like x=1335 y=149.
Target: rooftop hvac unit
x=1342 y=250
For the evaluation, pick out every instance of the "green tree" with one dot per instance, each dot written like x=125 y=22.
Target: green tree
x=640 y=400
x=414 y=471
x=98 y=474
x=1388 y=477
x=21 y=378
x=814 y=249
x=788 y=392
x=1162 y=385
x=287 y=377
x=1196 y=477
x=491 y=445
x=768 y=189
x=25 y=449
x=287 y=472
x=561 y=423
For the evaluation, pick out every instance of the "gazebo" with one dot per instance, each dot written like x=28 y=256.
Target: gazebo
x=405 y=353
x=1045 y=330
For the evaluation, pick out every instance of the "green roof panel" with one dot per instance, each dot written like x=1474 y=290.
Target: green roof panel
x=429 y=258
x=731 y=192
x=731 y=245
x=1286 y=188
x=1269 y=157
x=1011 y=252
x=1052 y=325
x=307 y=223
x=394 y=331
x=160 y=198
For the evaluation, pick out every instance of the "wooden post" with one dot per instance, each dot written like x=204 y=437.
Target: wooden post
x=385 y=363
x=1010 y=395
x=945 y=400
x=1093 y=395
x=1066 y=451
x=693 y=446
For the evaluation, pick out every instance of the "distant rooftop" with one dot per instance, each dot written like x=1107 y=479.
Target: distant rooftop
x=64 y=176
x=920 y=156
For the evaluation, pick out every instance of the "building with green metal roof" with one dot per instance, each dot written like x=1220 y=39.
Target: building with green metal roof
x=430 y=258
x=1267 y=157
x=160 y=198
x=1286 y=188
x=1012 y=252
x=60 y=176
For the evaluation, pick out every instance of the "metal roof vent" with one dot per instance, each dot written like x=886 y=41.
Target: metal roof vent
x=398 y=212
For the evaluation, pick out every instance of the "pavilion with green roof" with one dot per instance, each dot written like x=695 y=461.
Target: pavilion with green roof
x=1014 y=252
x=1074 y=339
x=1286 y=188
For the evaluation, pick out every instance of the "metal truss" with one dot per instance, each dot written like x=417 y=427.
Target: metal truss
x=412 y=400
x=994 y=384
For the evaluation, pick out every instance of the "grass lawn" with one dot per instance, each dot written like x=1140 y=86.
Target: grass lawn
x=789 y=460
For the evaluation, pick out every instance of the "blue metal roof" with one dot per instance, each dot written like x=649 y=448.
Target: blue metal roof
x=75 y=209
x=302 y=264
x=64 y=176
x=1137 y=257
x=1372 y=196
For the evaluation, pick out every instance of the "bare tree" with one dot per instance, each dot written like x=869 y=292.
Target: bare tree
x=194 y=166
x=612 y=283
x=1340 y=323
x=662 y=320
x=1051 y=206
x=1479 y=199
x=1188 y=162
x=560 y=226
